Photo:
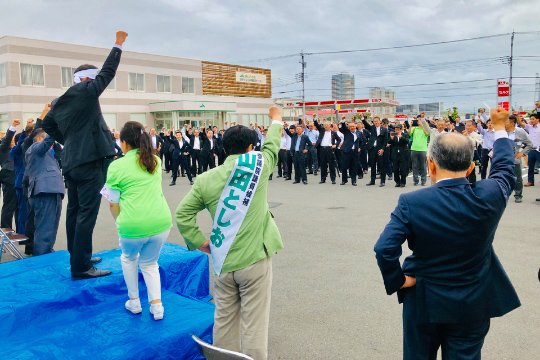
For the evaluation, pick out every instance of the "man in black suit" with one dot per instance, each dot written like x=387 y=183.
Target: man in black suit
x=76 y=122
x=219 y=144
x=196 y=146
x=180 y=154
x=350 y=148
x=399 y=143
x=207 y=156
x=363 y=155
x=168 y=149
x=376 y=147
x=300 y=145
x=7 y=177
x=453 y=282
x=326 y=143
x=157 y=142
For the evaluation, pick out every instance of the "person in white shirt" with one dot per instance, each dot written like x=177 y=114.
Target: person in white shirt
x=476 y=139
x=282 y=156
x=482 y=115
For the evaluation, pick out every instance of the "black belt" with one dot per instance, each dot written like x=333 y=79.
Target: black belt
x=326 y=147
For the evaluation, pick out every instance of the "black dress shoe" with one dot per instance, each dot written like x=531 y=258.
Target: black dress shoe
x=353 y=184
x=287 y=179
x=322 y=181
x=333 y=182
x=311 y=172
x=279 y=176
x=381 y=185
x=90 y=274
x=370 y=183
x=172 y=184
x=315 y=173
x=343 y=183
x=183 y=175
x=168 y=171
x=398 y=185
x=95 y=260
x=305 y=182
x=296 y=182
x=402 y=185
x=191 y=182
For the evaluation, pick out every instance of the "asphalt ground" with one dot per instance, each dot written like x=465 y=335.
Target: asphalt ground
x=328 y=297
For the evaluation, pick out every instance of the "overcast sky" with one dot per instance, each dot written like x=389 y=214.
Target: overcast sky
x=240 y=31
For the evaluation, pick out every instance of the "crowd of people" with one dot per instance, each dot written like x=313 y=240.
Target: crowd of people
x=69 y=149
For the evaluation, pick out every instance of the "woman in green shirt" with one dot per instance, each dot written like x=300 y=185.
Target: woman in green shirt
x=143 y=218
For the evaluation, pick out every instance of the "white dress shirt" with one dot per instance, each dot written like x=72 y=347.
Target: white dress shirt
x=327 y=138
x=196 y=143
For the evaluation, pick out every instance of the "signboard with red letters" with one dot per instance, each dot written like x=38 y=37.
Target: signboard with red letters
x=503 y=93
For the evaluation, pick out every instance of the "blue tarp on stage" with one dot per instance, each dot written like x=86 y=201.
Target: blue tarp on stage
x=45 y=315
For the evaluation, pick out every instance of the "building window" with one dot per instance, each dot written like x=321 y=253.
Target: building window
x=67 y=76
x=136 y=82
x=110 y=120
x=4 y=122
x=188 y=85
x=2 y=75
x=32 y=75
x=163 y=84
x=139 y=117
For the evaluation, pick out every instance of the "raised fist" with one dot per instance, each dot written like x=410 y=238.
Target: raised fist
x=16 y=122
x=121 y=37
x=499 y=116
x=274 y=113
x=29 y=121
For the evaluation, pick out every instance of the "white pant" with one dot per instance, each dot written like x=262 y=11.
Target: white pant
x=149 y=249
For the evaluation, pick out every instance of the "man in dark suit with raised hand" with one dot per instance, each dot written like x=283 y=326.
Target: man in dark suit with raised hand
x=376 y=147
x=76 y=122
x=399 y=143
x=350 y=148
x=453 y=283
x=326 y=144
x=182 y=149
x=300 y=145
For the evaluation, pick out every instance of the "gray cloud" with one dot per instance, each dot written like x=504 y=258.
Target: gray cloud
x=238 y=31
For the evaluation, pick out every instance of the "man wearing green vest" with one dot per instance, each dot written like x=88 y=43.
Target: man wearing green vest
x=419 y=149
x=244 y=236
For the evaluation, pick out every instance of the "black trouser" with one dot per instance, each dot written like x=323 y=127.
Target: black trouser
x=337 y=153
x=327 y=160
x=349 y=161
x=221 y=157
x=289 y=164
x=364 y=158
x=376 y=161
x=388 y=161
x=485 y=159
x=421 y=341
x=48 y=208
x=299 y=160
x=180 y=161
x=84 y=183
x=9 y=205
x=282 y=162
x=401 y=167
x=30 y=227
x=195 y=162
x=205 y=162
x=312 y=163
x=168 y=161
x=183 y=167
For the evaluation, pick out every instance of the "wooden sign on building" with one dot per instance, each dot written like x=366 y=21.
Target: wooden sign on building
x=236 y=80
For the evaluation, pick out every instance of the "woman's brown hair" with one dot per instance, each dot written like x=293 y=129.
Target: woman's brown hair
x=134 y=135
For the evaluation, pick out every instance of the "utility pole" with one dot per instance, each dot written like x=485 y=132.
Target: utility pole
x=537 y=88
x=510 y=80
x=303 y=85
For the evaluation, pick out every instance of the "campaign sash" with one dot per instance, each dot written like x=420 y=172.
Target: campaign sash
x=234 y=204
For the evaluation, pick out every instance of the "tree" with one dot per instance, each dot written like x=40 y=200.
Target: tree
x=452 y=112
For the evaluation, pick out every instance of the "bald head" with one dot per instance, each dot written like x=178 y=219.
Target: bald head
x=451 y=152
x=326 y=126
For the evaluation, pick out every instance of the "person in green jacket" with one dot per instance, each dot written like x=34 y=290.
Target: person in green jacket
x=133 y=187
x=243 y=238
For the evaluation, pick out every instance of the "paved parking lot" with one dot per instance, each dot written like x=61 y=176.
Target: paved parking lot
x=328 y=299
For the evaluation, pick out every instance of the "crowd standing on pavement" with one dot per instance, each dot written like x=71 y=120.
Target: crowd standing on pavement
x=69 y=149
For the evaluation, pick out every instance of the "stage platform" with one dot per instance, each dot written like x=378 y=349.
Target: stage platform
x=45 y=315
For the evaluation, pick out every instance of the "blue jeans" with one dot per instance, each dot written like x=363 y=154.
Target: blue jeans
x=23 y=212
x=534 y=156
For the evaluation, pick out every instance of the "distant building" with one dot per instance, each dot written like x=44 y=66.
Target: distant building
x=342 y=86
x=431 y=109
x=383 y=93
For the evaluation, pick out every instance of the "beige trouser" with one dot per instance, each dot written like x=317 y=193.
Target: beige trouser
x=242 y=314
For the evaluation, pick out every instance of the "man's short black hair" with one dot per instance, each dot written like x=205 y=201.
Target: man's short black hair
x=85 y=67
x=536 y=116
x=384 y=121
x=513 y=118
x=237 y=139
x=40 y=133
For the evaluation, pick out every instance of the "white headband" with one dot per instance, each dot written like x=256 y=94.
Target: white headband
x=90 y=73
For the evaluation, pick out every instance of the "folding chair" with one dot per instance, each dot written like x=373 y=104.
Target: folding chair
x=211 y=352
x=9 y=239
